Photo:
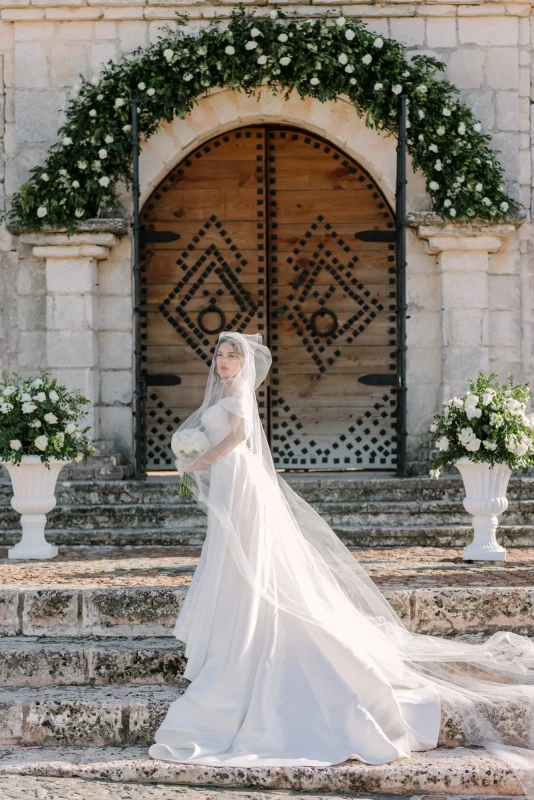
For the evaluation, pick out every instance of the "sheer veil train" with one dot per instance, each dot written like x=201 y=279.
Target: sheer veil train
x=294 y=655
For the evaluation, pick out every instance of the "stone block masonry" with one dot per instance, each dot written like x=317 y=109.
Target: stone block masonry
x=67 y=304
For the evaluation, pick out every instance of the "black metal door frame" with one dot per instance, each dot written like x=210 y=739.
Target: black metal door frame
x=400 y=238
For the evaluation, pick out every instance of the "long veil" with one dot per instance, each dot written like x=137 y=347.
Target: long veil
x=485 y=688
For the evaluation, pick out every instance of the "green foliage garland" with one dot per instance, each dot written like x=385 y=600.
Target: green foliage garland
x=323 y=58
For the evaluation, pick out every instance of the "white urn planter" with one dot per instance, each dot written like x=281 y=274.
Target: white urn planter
x=34 y=488
x=485 y=490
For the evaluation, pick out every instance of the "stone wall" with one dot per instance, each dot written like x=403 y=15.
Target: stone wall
x=46 y=44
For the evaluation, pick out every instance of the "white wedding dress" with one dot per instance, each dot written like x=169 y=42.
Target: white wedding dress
x=294 y=656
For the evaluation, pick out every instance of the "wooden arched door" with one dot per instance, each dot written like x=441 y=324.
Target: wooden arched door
x=272 y=229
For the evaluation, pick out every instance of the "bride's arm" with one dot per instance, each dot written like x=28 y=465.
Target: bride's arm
x=237 y=435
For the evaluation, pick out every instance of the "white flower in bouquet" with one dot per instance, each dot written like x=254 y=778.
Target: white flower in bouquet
x=36 y=423
x=487 y=397
x=189 y=443
x=50 y=418
x=41 y=442
x=472 y=411
x=28 y=408
x=15 y=444
x=40 y=397
x=54 y=397
x=443 y=443
x=466 y=435
x=70 y=427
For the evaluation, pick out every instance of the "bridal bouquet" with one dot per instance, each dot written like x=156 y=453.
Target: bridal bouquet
x=40 y=417
x=488 y=424
x=186 y=444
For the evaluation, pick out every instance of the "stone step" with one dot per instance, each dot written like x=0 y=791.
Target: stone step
x=31 y=787
x=34 y=662
x=356 y=516
x=130 y=611
x=192 y=536
x=129 y=715
x=314 y=487
x=467 y=772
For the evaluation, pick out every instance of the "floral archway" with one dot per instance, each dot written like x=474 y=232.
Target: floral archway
x=324 y=58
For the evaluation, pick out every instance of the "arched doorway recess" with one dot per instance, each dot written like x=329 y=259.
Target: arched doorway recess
x=272 y=229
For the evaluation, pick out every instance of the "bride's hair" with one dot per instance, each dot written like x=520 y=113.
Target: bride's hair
x=237 y=347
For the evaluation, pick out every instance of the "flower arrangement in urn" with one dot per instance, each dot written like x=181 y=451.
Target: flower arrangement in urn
x=486 y=434
x=39 y=433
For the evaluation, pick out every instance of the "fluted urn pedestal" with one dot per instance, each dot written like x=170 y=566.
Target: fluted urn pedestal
x=34 y=488
x=485 y=490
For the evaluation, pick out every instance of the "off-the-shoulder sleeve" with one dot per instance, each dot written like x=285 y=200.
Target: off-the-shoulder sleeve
x=238 y=404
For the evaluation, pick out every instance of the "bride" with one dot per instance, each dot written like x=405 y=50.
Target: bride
x=294 y=656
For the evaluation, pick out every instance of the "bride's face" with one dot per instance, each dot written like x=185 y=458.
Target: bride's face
x=227 y=361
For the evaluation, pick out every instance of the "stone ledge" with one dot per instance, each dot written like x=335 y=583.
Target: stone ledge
x=459 y=771
x=428 y=223
x=119 y=226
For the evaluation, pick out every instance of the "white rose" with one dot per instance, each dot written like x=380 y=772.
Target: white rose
x=126 y=128
x=9 y=390
x=314 y=81
x=82 y=164
x=41 y=397
x=92 y=112
x=108 y=139
x=349 y=68
x=342 y=58
x=440 y=130
x=51 y=418
x=41 y=442
x=35 y=424
x=473 y=446
x=283 y=37
x=367 y=58
x=446 y=112
x=438 y=166
x=461 y=129
x=471 y=400
x=473 y=412
x=168 y=54
x=103 y=153
x=67 y=140
x=504 y=206
x=251 y=45
x=353 y=81
x=188 y=76
x=229 y=49
x=255 y=32
x=42 y=211
x=433 y=427
x=44 y=177
x=285 y=60
x=141 y=86
x=75 y=184
x=447 y=203
x=349 y=34
x=119 y=101
x=491 y=446
x=433 y=148
x=274 y=14
x=104 y=181
x=262 y=59
x=15 y=444
x=434 y=186
x=79 y=212
x=397 y=89
x=53 y=395
x=477 y=127
x=340 y=21
x=28 y=408
x=443 y=443
x=70 y=427
x=378 y=42
x=151 y=92
x=378 y=86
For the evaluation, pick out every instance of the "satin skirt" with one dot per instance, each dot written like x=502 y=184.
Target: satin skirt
x=267 y=687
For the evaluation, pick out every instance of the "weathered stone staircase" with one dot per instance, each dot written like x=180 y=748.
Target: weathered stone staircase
x=88 y=665
x=383 y=512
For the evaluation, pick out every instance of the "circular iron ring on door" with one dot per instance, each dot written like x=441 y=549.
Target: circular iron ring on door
x=322 y=312
x=211 y=310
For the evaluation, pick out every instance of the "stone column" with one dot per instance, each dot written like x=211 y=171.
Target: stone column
x=71 y=308
x=462 y=252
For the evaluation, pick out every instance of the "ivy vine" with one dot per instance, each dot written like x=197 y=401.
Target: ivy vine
x=323 y=58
